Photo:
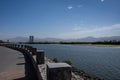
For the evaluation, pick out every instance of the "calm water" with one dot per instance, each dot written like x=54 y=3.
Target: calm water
x=102 y=62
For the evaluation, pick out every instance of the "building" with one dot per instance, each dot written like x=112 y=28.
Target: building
x=31 y=39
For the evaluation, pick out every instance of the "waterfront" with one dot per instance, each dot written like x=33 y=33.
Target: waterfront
x=100 y=61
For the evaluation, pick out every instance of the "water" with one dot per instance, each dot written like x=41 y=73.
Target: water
x=103 y=62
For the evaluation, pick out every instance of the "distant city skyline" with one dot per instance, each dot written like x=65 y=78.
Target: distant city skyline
x=65 y=19
x=31 y=39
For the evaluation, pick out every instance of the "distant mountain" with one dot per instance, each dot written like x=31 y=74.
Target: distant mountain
x=110 y=38
x=87 y=39
x=93 y=39
x=48 y=40
x=18 y=39
x=25 y=39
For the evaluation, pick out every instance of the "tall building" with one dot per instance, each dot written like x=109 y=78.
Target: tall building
x=31 y=39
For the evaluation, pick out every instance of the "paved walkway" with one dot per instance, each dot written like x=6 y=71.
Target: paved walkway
x=11 y=64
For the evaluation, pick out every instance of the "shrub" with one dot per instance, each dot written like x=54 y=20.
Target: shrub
x=68 y=62
x=55 y=60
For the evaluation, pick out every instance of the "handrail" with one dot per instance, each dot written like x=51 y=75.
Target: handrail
x=27 y=50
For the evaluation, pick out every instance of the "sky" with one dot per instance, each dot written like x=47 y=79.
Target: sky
x=65 y=19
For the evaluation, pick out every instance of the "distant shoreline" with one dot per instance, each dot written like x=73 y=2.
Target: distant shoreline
x=98 y=45
x=81 y=43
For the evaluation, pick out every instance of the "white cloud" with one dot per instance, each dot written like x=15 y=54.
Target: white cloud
x=102 y=0
x=80 y=32
x=77 y=6
x=78 y=28
x=69 y=7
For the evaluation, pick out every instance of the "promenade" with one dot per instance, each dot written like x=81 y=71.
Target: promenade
x=11 y=64
x=32 y=65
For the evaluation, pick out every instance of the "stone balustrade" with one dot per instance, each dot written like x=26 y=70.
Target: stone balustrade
x=54 y=71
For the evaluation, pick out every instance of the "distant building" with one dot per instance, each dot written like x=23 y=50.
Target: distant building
x=7 y=41
x=31 y=39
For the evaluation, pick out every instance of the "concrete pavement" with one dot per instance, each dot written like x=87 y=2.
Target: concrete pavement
x=11 y=64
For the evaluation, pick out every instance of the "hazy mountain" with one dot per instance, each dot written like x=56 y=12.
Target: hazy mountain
x=49 y=40
x=18 y=39
x=93 y=39
x=87 y=39
x=110 y=38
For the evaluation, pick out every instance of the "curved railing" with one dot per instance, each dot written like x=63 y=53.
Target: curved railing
x=28 y=51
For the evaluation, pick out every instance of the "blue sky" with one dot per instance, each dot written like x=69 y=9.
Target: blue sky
x=59 y=18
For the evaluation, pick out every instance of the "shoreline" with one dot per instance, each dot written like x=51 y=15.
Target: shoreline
x=98 y=45
x=84 y=75
x=78 y=73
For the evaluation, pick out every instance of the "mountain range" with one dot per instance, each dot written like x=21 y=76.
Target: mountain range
x=86 y=39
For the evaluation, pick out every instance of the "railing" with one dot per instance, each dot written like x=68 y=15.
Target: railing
x=28 y=51
x=54 y=71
